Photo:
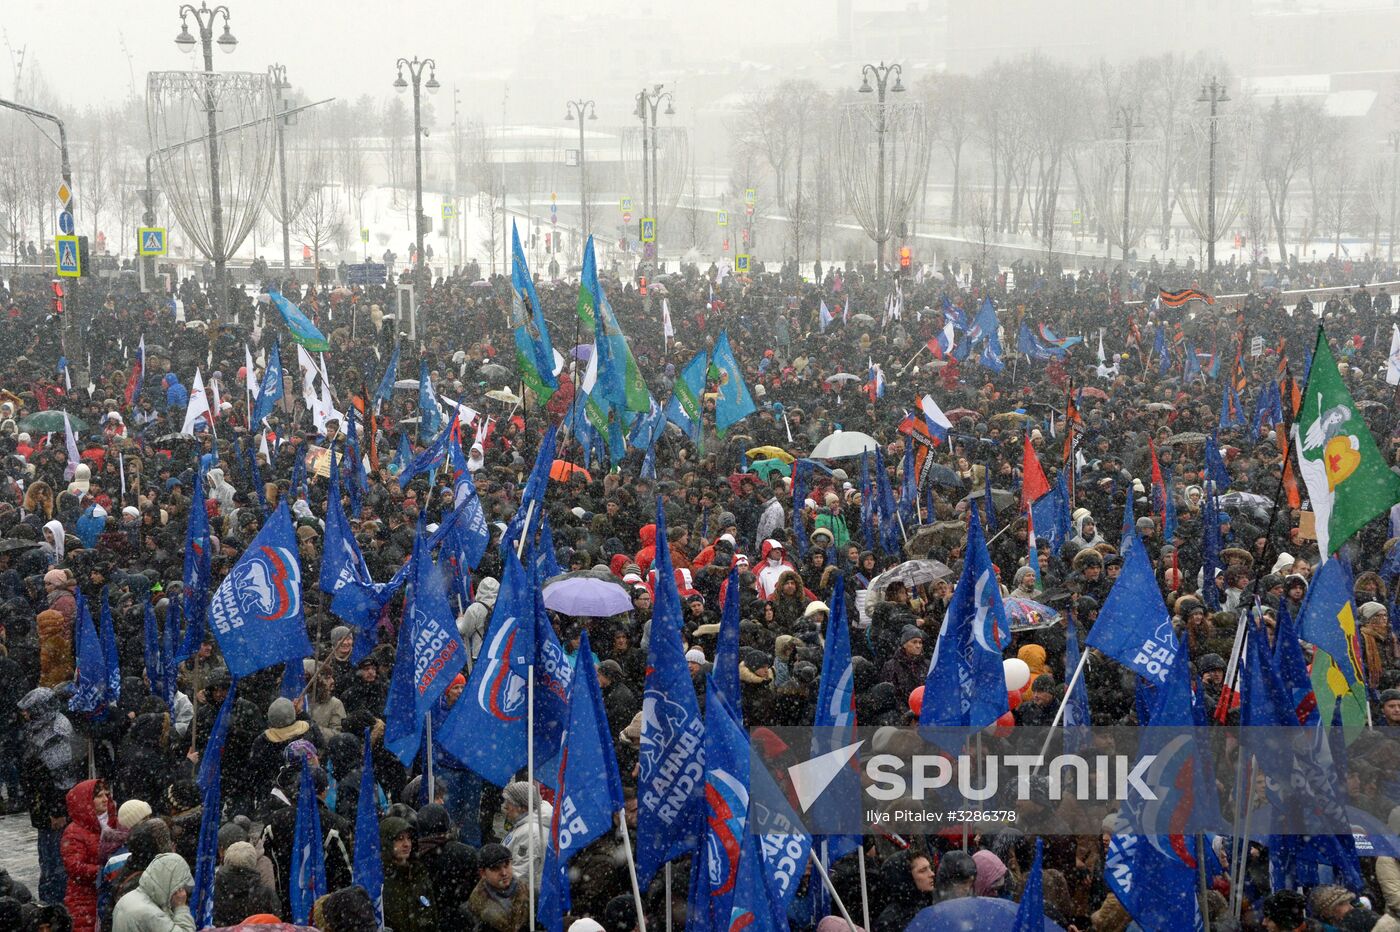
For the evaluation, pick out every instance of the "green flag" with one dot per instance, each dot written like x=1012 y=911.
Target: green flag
x=1347 y=478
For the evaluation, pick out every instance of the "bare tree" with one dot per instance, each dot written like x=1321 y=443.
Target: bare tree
x=951 y=102
x=1288 y=134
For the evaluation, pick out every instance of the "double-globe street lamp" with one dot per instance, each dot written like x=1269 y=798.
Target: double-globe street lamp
x=415 y=76
x=881 y=73
x=648 y=104
x=205 y=19
x=582 y=109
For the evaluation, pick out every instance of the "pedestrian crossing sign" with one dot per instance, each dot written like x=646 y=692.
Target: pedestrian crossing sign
x=151 y=241
x=70 y=265
x=741 y=262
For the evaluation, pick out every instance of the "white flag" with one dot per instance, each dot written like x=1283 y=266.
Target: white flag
x=668 y=331
x=71 y=442
x=309 y=374
x=250 y=377
x=1392 y=365
x=198 y=406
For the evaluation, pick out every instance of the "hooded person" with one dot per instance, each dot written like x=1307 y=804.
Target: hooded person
x=48 y=769
x=1086 y=531
x=53 y=542
x=217 y=488
x=773 y=563
x=515 y=803
x=471 y=624
x=907 y=881
x=409 y=904
x=90 y=809
x=160 y=902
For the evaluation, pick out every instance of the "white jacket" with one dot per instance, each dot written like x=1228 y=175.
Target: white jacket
x=147 y=908
x=518 y=841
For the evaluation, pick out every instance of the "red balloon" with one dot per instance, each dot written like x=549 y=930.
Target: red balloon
x=1003 y=725
x=916 y=701
x=1013 y=700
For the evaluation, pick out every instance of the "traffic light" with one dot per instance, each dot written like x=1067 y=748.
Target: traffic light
x=906 y=256
x=643 y=282
x=548 y=243
x=57 y=287
x=745 y=235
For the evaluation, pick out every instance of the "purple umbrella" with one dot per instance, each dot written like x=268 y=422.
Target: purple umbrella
x=970 y=914
x=583 y=352
x=587 y=596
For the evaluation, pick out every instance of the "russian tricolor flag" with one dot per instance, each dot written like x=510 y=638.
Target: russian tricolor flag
x=875 y=386
x=934 y=418
x=826 y=316
x=941 y=345
x=138 y=372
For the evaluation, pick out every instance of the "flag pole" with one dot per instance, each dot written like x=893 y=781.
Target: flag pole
x=864 y=893
x=632 y=872
x=831 y=889
x=529 y=724
x=428 y=756
x=668 y=896
x=1201 y=868
x=1060 y=712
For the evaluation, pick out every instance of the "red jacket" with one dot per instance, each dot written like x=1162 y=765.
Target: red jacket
x=79 y=848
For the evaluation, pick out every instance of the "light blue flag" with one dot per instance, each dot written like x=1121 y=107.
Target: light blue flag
x=391 y=375
x=733 y=402
x=670 y=784
x=684 y=409
x=714 y=879
x=429 y=410
x=588 y=789
x=368 y=870
x=1134 y=626
x=433 y=455
x=257 y=613
x=211 y=798
x=90 y=686
x=109 y=652
x=272 y=388
x=965 y=686
x=533 y=351
x=302 y=329
x=308 y=873
x=430 y=653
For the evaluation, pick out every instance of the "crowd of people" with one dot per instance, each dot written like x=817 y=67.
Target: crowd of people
x=113 y=795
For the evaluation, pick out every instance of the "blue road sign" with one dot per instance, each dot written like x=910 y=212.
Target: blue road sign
x=66 y=256
x=65 y=222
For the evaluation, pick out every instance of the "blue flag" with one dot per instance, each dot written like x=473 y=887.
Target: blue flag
x=1158 y=891
x=486 y=729
x=109 y=652
x=257 y=613
x=714 y=879
x=670 y=804
x=1293 y=668
x=170 y=667
x=1215 y=464
x=724 y=675
x=836 y=710
x=303 y=330
x=308 y=874
x=197 y=573
x=1030 y=912
x=533 y=351
x=890 y=537
x=466 y=543
x=211 y=798
x=965 y=686
x=342 y=562
x=368 y=869
x=589 y=789
x=90 y=686
x=358 y=482
x=151 y=650
x=1077 y=721
x=391 y=375
x=755 y=906
x=1210 y=549
x=685 y=409
x=429 y=655
x=1134 y=627
x=546 y=561
x=272 y=388
x=733 y=402
x=1051 y=514
x=532 y=499
x=1231 y=409
x=257 y=482
x=429 y=410
x=433 y=455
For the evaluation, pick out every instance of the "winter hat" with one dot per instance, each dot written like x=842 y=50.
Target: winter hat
x=611 y=669
x=492 y=855
x=281 y=713
x=132 y=813
x=695 y=655
x=990 y=871
x=1388 y=694
x=339 y=633
x=1284 y=562
x=56 y=578
x=229 y=833
x=1369 y=610
x=814 y=608
x=1328 y=897
x=910 y=633
x=1209 y=663
x=242 y=855
x=518 y=794
x=586 y=925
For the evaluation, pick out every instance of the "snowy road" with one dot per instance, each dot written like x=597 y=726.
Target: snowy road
x=18 y=853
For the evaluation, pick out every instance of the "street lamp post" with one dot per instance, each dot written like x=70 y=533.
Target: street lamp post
x=881 y=73
x=1394 y=139
x=1213 y=94
x=415 y=72
x=281 y=85
x=1127 y=121
x=581 y=108
x=648 y=102
x=204 y=18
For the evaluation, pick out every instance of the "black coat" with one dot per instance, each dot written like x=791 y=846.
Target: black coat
x=239 y=893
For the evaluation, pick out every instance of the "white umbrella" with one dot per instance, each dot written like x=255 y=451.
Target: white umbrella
x=844 y=443
x=842 y=377
x=406 y=383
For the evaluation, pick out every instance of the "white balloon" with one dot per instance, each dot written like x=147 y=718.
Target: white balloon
x=1017 y=674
